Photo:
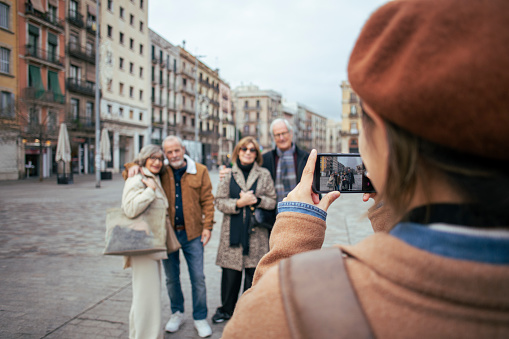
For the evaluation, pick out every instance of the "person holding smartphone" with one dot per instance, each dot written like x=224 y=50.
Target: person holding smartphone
x=433 y=78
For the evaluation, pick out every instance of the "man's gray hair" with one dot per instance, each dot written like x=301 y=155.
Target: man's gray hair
x=174 y=138
x=278 y=120
x=146 y=152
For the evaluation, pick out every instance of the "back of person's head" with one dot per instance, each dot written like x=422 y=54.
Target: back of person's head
x=437 y=73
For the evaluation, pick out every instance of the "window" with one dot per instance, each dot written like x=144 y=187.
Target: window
x=110 y=109
x=160 y=77
x=131 y=114
x=131 y=43
x=33 y=40
x=121 y=12
x=153 y=74
x=141 y=72
x=110 y=31
x=141 y=4
x=131 y=68
x=4 y=16
x=353 y=109
x=52 y=13
x=52 y=48
x=131 y=92
x=121 y=88
x=110 y=5
x=131 y=20
x=109 y=85
x=74 y=72
x=91 y=22
x=6 y=105
x=52 y=121
x=141 y=95
x=5 y=60
x=121 y=112
x=73 y=9
x=121 y=38
x=141 y=49
x=141 y=26
x=246 y=103
x=89 y=49
x=89 y=111
x=153 y=94
x=257 y=103
x=75 y=109
x=141 y=116
x=121 y=63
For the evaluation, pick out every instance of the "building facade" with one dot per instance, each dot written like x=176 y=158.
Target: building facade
x=164 y=60
x=255 y=110
x=11 y=147
x=41 y=79
x=309 y=127
x=226 y=124
x=351 y=121
x=125 y=66
x=80 y=82
x=333 y=137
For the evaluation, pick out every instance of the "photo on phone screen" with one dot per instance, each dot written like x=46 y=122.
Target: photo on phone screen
x=341 y=172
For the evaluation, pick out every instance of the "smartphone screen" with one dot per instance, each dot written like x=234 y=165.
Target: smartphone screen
x=341 y=172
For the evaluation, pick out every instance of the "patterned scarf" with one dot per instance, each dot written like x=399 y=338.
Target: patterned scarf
x=286 y=177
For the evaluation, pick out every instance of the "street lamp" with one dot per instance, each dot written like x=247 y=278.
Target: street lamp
x=97 y=101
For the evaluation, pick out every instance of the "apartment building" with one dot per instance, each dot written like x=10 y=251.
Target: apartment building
x=41 y=79
x=125 y=79
x=186 y=95
x=164 y=60
x=80 y=31
x=11 y=147
x=226 y=123
x=255 y=110
x=351 y=121
x=309 y=127
x=333 y=137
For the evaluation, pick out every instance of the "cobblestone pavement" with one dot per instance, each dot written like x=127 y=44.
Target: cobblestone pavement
x=55 y=282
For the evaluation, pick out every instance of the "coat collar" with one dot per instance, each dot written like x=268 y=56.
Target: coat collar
x=191 y=165
x=251 y=178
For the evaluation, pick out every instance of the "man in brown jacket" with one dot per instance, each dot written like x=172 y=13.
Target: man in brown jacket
x=191 y=210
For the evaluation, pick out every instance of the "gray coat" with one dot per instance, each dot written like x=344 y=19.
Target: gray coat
x=231 y=257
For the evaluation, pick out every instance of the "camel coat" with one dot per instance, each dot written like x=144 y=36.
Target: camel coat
x=231 y=257
x=405 y=292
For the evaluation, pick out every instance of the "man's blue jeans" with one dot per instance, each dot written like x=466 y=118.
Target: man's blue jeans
x=193 y=252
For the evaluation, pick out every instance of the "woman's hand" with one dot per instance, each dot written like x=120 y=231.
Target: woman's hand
x=246 y=199
x=149 y=182
x=303 y=192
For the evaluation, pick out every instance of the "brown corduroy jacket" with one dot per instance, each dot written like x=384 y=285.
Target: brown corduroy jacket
x=405 y=292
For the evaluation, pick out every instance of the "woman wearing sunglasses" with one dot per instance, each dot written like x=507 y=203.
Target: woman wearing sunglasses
x=242 y=245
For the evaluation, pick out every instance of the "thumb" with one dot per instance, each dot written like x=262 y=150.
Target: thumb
x=328 y=199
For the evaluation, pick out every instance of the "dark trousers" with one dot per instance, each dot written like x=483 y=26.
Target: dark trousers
x=230 y=287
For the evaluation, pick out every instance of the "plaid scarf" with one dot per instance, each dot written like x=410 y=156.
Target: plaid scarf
x=286 y=177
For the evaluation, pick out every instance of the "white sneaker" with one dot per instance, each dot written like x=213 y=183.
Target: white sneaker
x=175 y=321
x=203 y=328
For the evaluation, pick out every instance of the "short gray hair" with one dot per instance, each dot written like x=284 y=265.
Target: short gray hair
x=146 y=152
x=173 y=137
x=277 y=121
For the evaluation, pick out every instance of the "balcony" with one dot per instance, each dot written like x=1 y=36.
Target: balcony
x=159 y=103
x=91 y=27
x=80 y=123
x=38 y=55
x=252 y=108
x=186 y=89
x=79 y=52
x=80 y=86
x=75 y=18
x=188 y=73
x=353 y=116
x=43 y=18
x=41 y=95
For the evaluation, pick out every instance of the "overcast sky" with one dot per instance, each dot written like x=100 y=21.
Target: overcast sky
x=298 y=48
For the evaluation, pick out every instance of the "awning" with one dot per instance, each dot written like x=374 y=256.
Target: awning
x=37 y=4
x=53 y=3
x=54 y=86
x=91 y=10
x=36 y=81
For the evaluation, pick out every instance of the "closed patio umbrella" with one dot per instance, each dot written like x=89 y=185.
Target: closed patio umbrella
x=63 y=154
x=105 y=150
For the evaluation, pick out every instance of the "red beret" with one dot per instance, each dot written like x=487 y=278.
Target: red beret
x=440 y=70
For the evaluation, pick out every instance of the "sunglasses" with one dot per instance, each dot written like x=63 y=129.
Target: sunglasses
x=245 y=149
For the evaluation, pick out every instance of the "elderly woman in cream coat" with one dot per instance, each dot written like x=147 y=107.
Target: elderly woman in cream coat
x=140 y=192
x=241 y=244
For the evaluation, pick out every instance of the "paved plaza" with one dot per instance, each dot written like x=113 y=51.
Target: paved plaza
x=55 y=282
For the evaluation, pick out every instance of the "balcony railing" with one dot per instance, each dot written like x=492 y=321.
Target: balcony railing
x=80 y=123
x=41 y=54
x=77 y=51
x=41 y=95
x=80 y=86
x=45 y=18
x=252 y=108
x=75 y=18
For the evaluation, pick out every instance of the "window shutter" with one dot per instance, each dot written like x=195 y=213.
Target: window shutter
x=52 y=39
x=33 y=30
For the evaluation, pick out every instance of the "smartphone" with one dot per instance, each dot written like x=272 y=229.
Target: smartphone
x=344 y=172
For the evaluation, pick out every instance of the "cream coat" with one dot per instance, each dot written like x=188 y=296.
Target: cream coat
x=137 y=197
x=231 y=257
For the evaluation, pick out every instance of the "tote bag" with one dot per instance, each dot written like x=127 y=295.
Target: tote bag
x=137 y=236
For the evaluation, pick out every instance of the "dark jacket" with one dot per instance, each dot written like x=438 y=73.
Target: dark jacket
x=269 y=162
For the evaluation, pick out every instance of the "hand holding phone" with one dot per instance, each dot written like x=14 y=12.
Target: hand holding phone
x=343 y=172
